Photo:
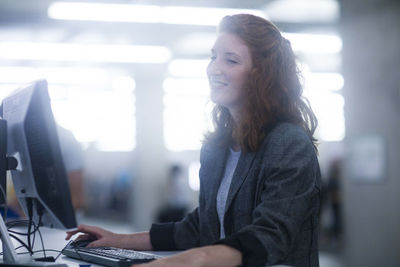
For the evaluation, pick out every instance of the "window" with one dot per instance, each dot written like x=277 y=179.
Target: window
x=97 y=105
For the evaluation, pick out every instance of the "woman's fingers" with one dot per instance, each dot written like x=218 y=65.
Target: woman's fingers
x=71 y=233
x=91 y=231
x=83 y=237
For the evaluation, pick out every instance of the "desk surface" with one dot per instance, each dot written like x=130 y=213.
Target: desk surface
x=54 y=239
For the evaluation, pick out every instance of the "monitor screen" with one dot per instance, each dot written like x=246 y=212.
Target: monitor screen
x=3 y=161
x=40 y=178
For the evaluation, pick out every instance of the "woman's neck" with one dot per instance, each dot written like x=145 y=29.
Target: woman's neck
x=235 y=113
x=235 y=147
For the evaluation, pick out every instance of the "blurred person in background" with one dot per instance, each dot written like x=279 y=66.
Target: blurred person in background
x=259 y=176
x=334 y=202
x=177 y=201
x=73 y=159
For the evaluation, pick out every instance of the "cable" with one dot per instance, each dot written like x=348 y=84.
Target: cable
x=30 y=217
x=36 y=228
x=5 y=201
x=16 y=222
x=28 y=234
x=20 y=222
x=40 y=214
x=21 y=242
x=39 y=210
x=29 y=223
x=41 y=239
x=64 y=248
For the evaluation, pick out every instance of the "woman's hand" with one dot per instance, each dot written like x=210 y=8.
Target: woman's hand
x=99 y=236
x=104 y=238
x=209 y=256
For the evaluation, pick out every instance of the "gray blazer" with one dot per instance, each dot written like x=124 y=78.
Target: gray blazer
x=272 y=208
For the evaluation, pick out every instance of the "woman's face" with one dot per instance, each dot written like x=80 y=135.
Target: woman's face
x=228 y=70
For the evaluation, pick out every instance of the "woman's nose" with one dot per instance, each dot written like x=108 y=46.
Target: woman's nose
x=214 y=68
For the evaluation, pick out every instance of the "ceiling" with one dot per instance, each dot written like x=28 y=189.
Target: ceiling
x=22 y=20
x=26 y=30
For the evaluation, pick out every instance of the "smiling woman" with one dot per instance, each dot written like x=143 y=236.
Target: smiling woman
x=259 y=174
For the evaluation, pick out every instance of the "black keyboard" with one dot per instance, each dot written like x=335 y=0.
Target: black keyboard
x=108 y=256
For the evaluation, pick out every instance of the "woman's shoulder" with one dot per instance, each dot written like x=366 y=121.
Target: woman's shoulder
x=286 y=129
x=211 y=151
x=286 y=134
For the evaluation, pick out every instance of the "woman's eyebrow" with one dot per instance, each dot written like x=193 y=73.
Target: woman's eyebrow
x=232 y=54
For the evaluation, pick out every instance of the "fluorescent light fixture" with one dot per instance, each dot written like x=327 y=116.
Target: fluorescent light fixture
x=74 y=77
x=201 y=15
x=315 y=81
x=188 y=67
x=104 y=12
x=322 y=90
x=142 y=13
x=296 y=11
x=314 y=43
x=329 y=109
x=83 y=52
x=55 y=75
x=331 y=62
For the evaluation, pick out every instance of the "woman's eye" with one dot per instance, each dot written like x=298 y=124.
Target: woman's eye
x=232 y=61
x=213 y=57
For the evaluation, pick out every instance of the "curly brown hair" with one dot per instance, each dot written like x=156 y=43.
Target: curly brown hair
x=273 y=92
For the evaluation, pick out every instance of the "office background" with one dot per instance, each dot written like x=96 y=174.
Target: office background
x=128 y=80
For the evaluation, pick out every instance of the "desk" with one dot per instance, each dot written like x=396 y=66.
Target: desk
x=55 y=239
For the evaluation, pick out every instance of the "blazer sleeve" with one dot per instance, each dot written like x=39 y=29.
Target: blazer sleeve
x=289 y=195
x=162 y=235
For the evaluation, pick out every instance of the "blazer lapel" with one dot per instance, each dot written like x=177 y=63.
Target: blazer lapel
x=217 y=171
x=215 y=167
x=239 y=176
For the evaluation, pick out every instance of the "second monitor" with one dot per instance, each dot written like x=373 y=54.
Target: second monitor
x=40 y=181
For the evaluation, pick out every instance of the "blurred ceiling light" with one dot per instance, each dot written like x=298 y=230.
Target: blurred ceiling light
x=314 y=43
x=55 y=75
x=323 y=81
x=142 y=13
x=329 y=110
x=296 y=11
x=330 y=63
x=188 y=67
x=83 y=52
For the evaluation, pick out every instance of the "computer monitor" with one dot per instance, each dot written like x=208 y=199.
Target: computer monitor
x=3 y=162
x=40 y=180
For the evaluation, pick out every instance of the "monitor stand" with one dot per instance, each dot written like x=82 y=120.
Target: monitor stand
x=10 y=257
